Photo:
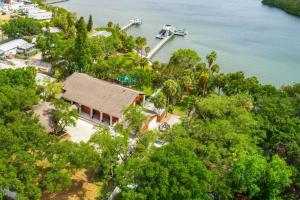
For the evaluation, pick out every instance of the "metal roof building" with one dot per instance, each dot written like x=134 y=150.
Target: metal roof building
x=12 y=45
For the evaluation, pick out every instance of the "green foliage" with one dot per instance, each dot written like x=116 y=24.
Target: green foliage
x=83 y=56
x=140 y=43
x=289 y=6
x=170 y=89
x=63 y=115
x=18 y=77
x=20 y=27
x=134 y=118
x=31 y=161
x=64 y=20
x=114 y=149
x=180 y=61
x=172 y=172
x=51 y=89
x=90 y=24
x=159 y=101
x=252 y=176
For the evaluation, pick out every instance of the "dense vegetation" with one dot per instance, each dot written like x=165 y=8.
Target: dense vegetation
x=289 y=6
x=238 y=138
x=20 y=27
x=31 y=161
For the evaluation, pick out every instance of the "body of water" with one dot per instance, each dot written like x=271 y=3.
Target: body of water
x=248 y=36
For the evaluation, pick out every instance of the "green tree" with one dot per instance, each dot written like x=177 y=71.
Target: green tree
x=215 y=68
x=172 y=172
x=51 y=89
x=90 y=24
x=110 y=24
x=140 y=42
x=170 y=89
x=147 y=50
x=20 y=27
x=63 y=115
x=134 y=118
x=83 y=59
x=180 y=61
x=159 y=101
x=114 y=150
x=144 y=62
x=253 y=177
x=211 y=58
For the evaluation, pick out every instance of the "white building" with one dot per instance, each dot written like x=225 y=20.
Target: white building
x=39 y=14
x=28 y=7
x=12 y=47
x=16 y=6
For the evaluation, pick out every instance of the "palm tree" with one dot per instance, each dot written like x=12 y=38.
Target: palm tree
x=147 y=50
x=187 y=83
x=140 y=42
x=170 y=89
x=211 y=58
x=215 y=68
x=203 y=82
x=143 y=62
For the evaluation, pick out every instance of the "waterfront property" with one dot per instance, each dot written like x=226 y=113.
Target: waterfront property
x=16 y=46
x=39 y=14
x=97 y=100
x=26 y=49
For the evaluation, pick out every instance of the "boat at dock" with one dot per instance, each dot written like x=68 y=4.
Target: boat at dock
x=181 y=32
x=169 y=30
x=166 y=31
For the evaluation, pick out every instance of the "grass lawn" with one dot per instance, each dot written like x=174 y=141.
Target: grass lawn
x=180 y=111
x=83 y=187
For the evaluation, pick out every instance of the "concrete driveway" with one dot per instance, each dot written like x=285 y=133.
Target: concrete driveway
x=82 y=132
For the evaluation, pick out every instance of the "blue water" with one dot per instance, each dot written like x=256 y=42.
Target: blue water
x=247 y=35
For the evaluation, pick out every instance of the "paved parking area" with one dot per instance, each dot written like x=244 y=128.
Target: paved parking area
x=82 y=132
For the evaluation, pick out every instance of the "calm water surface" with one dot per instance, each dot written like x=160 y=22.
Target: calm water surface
x=248 y=36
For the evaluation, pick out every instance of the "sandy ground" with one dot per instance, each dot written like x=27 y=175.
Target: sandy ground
x=83 y=188
x=43 y=112
x=35 y=60
x=5 y=17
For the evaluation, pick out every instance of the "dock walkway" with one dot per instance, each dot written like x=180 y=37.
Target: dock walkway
x=132 y=22
x=159 y=46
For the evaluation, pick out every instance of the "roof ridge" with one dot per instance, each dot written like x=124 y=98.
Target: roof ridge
x=111 y=83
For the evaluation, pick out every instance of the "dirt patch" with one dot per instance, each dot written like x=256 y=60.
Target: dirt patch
x=83 y=188
x=5 y=17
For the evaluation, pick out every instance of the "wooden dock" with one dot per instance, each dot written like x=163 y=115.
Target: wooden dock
x=136 y=21
x=159 y=46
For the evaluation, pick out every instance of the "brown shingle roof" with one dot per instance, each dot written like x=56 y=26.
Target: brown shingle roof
x=101 y=95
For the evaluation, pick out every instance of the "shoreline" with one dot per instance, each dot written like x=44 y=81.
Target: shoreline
x=55 y=1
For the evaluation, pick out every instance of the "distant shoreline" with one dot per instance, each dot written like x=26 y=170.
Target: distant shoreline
x=289 y=6
x=54 y=1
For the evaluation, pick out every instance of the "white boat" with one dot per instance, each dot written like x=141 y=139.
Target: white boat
x=181 y=32
x=166 y=31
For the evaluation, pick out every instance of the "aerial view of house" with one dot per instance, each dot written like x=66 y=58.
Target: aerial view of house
x=189 y=100
x=98 y=100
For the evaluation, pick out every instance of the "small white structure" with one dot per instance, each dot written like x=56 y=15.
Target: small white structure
x=102 y=33
x=26 y=48
x=39 y=14
x=11 y=47
x=25 y=8
x=52 y=29
x=16 y=6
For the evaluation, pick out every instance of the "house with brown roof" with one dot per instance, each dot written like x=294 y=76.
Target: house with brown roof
x=98 y=100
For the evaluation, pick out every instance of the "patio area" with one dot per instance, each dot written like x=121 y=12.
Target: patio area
x=81 y=132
